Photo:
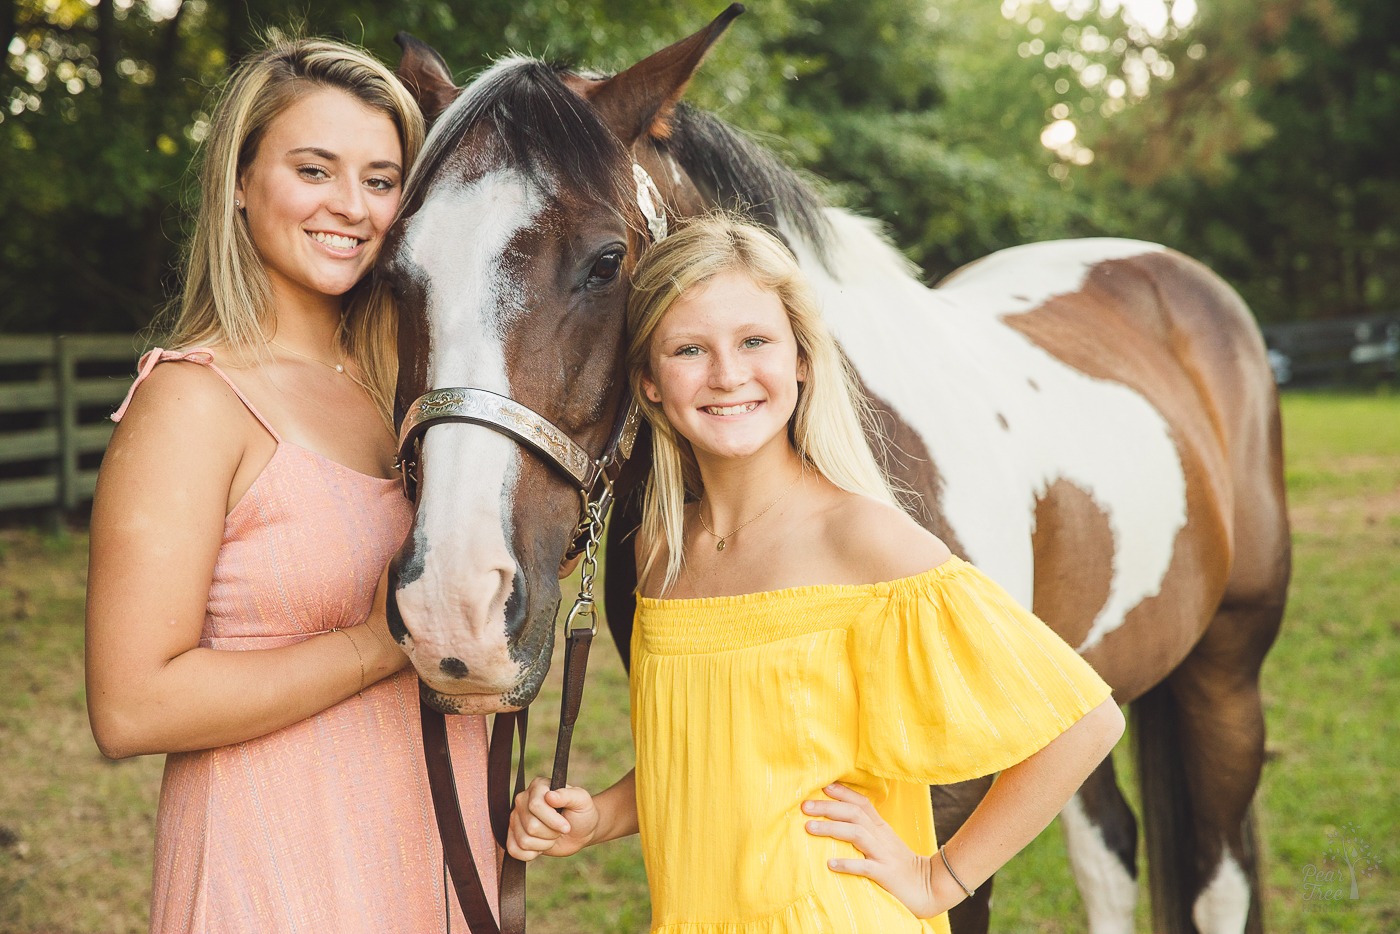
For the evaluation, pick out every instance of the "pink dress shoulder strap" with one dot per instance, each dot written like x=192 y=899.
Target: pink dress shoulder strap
x=201 y=355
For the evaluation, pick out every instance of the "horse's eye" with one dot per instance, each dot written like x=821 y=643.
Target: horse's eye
x=605 y=268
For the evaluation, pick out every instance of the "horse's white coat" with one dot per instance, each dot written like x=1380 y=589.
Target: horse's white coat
x=1109 y=891
x=949 y=366
x=461 y=233
x=1223 y=905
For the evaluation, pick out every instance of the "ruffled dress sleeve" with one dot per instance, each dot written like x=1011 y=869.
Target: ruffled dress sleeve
x=957 y=680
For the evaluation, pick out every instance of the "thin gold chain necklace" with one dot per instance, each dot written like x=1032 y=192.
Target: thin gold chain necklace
x=722 y=540
x=338 y=367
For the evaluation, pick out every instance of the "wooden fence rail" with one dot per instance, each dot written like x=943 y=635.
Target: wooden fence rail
x=51 y=414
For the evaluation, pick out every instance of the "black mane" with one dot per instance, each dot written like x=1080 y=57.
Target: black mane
x=547 y=131
x=550 y=132
x=741 y=174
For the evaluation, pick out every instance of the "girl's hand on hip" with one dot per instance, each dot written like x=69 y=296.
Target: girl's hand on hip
x=888 y=860
x=537 y=825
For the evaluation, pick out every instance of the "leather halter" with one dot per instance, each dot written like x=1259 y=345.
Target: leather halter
x=593 y=479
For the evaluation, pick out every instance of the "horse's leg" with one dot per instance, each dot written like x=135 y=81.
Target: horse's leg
x=952 y=805
x=1201 y=748
x=1200 y=733
x=1222 y=733
x=1101 y=836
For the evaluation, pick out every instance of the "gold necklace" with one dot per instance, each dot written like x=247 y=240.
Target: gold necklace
x=338 y=367
x=721 y=540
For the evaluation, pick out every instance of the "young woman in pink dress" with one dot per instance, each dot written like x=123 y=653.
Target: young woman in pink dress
x=806 y=659
x=244 y=515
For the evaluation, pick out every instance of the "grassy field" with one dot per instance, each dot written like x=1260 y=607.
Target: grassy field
x=75 y=829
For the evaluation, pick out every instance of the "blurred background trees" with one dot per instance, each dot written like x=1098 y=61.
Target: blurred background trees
x=1255 y=136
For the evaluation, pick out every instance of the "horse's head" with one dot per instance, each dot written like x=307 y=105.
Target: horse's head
x=510 y=261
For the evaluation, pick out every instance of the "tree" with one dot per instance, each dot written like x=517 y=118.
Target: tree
x=1268 y=153
x=1254 y=136
x=103 y=105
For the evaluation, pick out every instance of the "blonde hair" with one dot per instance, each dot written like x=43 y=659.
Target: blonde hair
x=827 y=426
x=227 y=297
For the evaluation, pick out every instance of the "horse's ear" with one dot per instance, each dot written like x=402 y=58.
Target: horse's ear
x=640 y=100
x=426 y=76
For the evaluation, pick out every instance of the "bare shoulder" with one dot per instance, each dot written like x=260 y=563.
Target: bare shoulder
x=182 y=417
x=880 y=542
x=180 y=389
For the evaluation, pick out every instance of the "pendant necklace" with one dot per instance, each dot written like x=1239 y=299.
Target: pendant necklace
x=338 y=367
x=722 y=540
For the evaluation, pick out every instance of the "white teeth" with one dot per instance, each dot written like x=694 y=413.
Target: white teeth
x=335 y=240
x=740 y=409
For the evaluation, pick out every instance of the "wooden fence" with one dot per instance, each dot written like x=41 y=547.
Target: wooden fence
x=53 y=414
x=56 y=392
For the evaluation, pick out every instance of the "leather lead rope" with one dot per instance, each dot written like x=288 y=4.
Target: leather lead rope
x=594 y=481
x=581 y=626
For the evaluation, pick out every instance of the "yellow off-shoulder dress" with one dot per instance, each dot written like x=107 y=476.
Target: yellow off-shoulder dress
x=744 y=707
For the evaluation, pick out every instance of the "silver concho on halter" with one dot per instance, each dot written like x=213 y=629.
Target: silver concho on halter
x=649 y=200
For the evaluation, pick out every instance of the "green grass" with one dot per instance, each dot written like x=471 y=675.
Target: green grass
x=75 y=830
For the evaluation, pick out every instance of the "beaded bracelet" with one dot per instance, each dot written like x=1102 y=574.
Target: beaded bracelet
x=949 y=867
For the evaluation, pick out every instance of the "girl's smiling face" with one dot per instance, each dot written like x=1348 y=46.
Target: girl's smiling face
x=320 y=193
x=724 y=367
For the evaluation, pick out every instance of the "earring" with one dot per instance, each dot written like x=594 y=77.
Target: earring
x=238 y=204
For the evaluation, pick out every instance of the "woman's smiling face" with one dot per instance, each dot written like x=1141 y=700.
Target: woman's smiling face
x=320 y=193
x=724 y=366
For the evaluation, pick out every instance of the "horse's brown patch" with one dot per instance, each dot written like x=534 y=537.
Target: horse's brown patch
x=1123 y=305
x=1073 y=547
x=904 y=457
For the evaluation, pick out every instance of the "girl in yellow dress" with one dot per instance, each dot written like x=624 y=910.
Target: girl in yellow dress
x=806 y=658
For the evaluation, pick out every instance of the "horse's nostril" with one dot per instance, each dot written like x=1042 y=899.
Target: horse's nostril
x=454 y=667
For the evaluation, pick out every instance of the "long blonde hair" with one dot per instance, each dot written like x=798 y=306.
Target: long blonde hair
x=827 y=427
x=227 y=297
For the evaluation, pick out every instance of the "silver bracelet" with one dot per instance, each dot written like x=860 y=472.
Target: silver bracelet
x=949 y=867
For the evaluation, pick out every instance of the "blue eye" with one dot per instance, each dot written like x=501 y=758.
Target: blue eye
x=753 y=343
x=689 y=350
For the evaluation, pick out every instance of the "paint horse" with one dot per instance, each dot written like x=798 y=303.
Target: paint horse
x=1090 y=421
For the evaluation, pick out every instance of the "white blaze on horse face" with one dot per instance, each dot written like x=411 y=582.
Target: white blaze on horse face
x=455 y=607
x=1109 y=891
x=953 y=370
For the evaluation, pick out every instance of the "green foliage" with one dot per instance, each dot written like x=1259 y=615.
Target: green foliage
x=1254 y=136
x=1269 y=155
x=951 y=161
x=95 y=139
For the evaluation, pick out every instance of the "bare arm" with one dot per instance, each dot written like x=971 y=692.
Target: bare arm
x=1026 y=797
x=1021 y=803
x=157 y=523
